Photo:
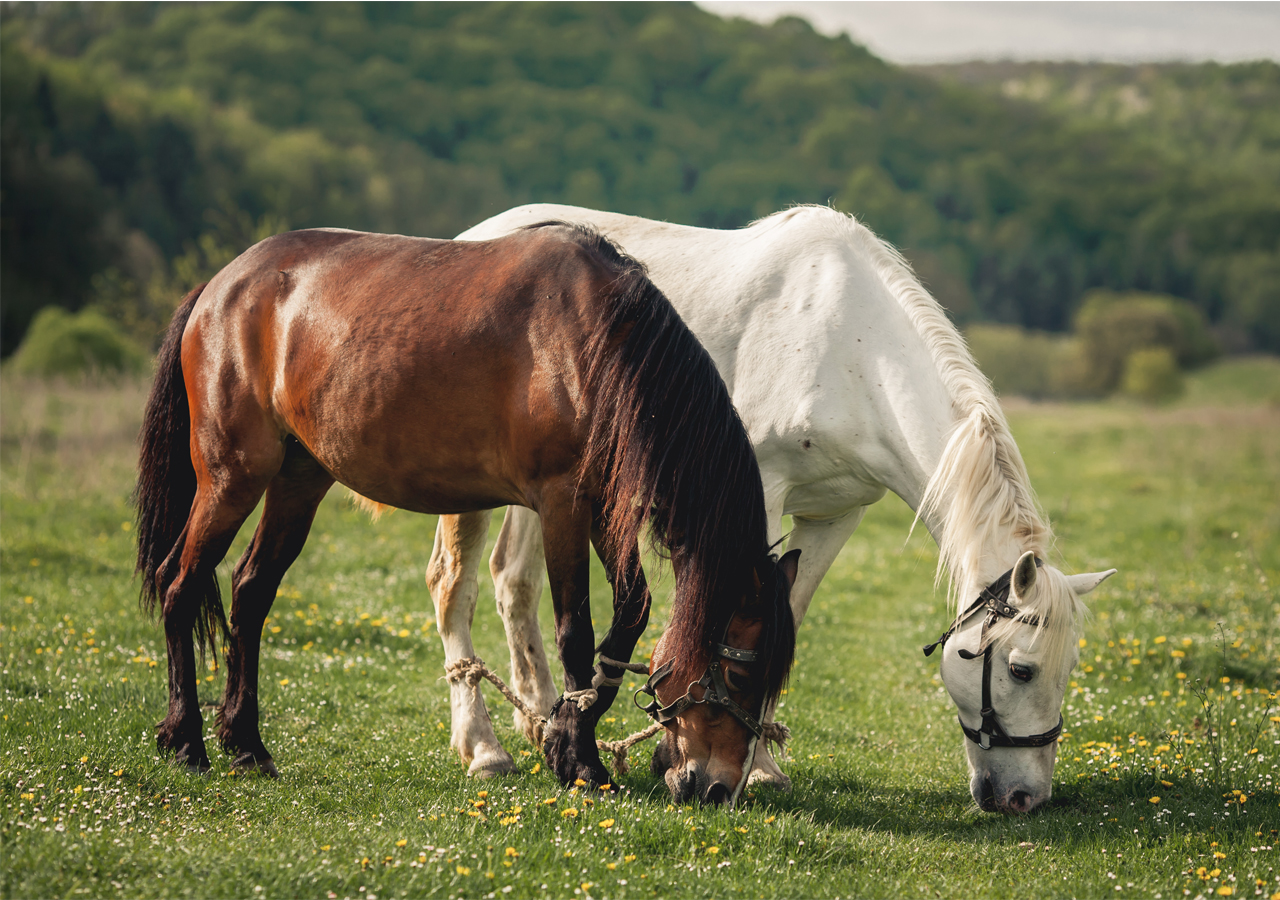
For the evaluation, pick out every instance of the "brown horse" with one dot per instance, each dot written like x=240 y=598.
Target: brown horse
x=543 y=369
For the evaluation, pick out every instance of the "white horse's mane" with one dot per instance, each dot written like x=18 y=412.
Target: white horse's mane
x=980 y=492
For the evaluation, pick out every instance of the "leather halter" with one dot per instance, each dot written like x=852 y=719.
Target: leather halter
x=715 y=691
x=995 y=600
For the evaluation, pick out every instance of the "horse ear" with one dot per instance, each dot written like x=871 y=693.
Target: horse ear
x=1024 y=575
x=1084 y=583
x=788 y=566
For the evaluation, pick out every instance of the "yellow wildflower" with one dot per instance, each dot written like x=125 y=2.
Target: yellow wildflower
x=607 y=823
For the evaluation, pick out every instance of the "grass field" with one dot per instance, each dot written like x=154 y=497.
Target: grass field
x=1165 y=785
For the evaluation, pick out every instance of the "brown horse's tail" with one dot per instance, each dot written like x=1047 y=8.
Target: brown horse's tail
x=167 y=480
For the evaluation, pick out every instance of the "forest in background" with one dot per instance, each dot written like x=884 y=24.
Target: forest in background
x=145 y=144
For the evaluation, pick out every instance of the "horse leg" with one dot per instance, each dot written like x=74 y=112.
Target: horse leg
x=517 y=566
x=288 y=511
x=630 y=610
x=451 y=578
x=221 y=505
x=570 y=745
x=819 y=542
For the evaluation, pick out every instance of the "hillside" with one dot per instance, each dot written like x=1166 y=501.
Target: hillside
x=132 y=131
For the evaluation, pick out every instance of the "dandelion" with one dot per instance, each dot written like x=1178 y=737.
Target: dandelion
x=769 y=820
x=1160 y=640
x=611 y=866
x=1154 y=800
x=463 y=870
x=713 y=850
x=1166 y=783
x=283 y=682
x=629 y=858
x=482 y=794
x=402 y=842
x=1218 y=854
x=570 y=813
x=586 y=885
x=1226 y=890
x=537 y=767
x=607 y=823
x=579 y=782
x=741 y=829
x=512 y=852
x=550 y=801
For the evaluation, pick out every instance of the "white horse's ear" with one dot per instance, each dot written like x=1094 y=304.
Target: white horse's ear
x=1083 y=584
x=1024 y=575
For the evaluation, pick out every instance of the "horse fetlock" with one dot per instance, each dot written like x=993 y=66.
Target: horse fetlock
x=186 y=745
x=570 y=748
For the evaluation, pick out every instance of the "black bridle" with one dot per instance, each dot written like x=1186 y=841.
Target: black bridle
x=995 y=600
x=714 y=690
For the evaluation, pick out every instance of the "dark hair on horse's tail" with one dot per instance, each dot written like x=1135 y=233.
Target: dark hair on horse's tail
x=167 y=480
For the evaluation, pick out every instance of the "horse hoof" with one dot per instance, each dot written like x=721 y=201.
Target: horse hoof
x=776 y=780
x=248 y=764
x=491 y=767
x=192 y=767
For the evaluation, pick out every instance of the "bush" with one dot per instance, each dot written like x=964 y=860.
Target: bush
x=1152 y=375
x=1111 y=327
x=87 y=343
x=1026 y=363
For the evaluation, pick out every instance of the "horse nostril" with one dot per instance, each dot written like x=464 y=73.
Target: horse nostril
x=1020 y=801
x=717 y=794
x=987 y=796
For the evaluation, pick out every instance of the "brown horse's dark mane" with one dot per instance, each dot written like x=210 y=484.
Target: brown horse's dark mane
x=672 y=454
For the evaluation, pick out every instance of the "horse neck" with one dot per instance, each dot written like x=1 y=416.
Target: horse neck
x=943 y=444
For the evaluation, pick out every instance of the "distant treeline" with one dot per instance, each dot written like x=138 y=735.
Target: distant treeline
x=141 y=141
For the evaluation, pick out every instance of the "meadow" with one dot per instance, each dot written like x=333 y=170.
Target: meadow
x=1165 y=784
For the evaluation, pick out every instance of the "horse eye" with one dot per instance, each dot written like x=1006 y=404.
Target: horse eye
x=1022 y=673
x=736 y=681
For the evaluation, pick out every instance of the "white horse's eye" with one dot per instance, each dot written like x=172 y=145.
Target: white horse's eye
x=1022 y=673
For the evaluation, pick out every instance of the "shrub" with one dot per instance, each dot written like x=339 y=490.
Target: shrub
x=60 y=343
x=1112 y=326
x=1026 y=363
x=1152 y=375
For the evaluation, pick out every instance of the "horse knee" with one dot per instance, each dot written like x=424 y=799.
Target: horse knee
x=517 y=592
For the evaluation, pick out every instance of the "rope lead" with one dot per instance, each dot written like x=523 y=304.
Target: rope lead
x=472 y=668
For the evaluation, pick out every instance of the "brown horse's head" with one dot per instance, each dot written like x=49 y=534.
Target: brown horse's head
x=713 y=696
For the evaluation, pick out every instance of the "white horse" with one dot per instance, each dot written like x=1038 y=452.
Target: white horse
x=851 y=380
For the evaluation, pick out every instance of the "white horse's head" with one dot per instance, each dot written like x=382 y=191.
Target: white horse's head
x=1025 y=654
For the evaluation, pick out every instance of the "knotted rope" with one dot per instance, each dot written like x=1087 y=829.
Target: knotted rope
x=472 y=668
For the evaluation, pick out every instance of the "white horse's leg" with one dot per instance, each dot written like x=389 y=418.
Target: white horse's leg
x=517 y=567
x=452 y=580
x=819 y=542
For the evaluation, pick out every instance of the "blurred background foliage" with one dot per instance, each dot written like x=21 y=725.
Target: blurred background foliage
x=146 y=144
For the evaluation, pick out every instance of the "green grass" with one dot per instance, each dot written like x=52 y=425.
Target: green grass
x=372 y=802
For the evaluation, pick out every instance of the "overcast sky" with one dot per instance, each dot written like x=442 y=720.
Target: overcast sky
x=925 y=31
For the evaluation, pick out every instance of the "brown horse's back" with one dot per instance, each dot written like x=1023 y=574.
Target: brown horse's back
x=381 y=355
